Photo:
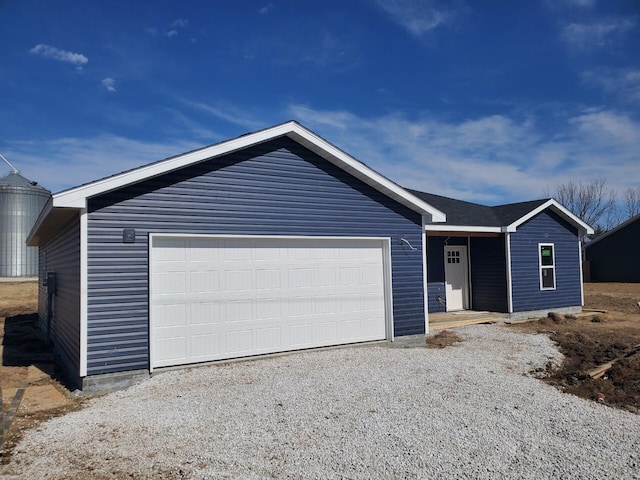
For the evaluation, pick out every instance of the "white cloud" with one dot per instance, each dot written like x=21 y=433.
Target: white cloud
x=266 y=9
x=48 y=51
x=227 y=112
x=175 y=26
x=109 y=84
x=624 y=82
x=490 y=159
x=73 y=161
x=418 y=16
x=607 y=127
x=582 y=36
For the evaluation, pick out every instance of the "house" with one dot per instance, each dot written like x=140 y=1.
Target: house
x=277 y=241
x=614 y=256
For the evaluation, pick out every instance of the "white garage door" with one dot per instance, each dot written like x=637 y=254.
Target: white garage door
x=219 y=298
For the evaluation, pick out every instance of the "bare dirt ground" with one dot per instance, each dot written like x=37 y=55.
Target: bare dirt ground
x=27 y=372
x=608 y=329
x=29 y=388
x=442 y=339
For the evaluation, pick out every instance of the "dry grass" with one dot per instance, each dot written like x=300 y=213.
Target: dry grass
x=18 y=298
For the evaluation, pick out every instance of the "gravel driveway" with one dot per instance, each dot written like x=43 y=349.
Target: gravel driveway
x=469 y=411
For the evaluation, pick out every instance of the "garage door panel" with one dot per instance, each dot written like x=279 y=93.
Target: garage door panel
x=203 y=346
x=268 y=338
x=205 y=314
x=171 y=350
x=238 y=311
x=268 y=279
x=204 y=281
x=268 y=308
x=215 y=298
x=167 y=283
x=239 y=342
x=170 y=316
x=301 y=335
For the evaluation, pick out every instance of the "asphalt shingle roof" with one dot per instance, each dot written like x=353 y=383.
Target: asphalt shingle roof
x=461 y=213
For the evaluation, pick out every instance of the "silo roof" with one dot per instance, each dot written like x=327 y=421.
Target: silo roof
x=16 y=180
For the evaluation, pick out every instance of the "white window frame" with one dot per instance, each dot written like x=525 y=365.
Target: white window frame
x=552 y=266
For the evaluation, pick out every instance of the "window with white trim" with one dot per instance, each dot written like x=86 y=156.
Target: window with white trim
x=547 y=266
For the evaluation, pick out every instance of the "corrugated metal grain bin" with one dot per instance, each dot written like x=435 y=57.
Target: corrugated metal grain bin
x=21 y=201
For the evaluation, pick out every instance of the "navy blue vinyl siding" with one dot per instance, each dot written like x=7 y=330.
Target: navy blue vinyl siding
x=435 y=270
x=616 y=258
x=277 y=188
x=62 y=256
x=547 y=227
x=488 y=274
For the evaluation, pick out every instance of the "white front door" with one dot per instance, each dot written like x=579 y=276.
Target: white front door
x=456 y=277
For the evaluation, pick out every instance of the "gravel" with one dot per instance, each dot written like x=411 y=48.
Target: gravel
x=468 y=411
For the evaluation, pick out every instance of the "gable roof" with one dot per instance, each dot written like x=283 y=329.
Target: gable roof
x=75 y=199
x=612 y=231
x=460 y=212
x=473 y=217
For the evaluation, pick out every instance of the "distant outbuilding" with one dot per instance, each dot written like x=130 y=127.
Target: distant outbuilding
x=21 y=201
x=615 y=256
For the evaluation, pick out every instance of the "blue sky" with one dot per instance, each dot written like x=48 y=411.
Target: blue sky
x=485 y=101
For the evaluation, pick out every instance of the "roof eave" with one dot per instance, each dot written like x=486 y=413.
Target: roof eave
x=32 y=240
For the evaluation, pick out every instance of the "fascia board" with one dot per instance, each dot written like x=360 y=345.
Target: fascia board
x=48 y=207
x=461 y=228
x=558 y=208
x=77 y=197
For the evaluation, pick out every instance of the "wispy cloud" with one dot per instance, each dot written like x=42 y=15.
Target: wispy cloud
x=266 y=9
x=623 y=82
x=227 y=112
x=505 y=158
x=90 y=158
x=175 y=26
x=48 y=51
x=488 y=159
x=419 y=16
x=109 y=84
x=180 y=23
x=587 y=36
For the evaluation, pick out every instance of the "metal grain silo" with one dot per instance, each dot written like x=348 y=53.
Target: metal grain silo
x=21 y=201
